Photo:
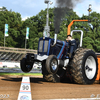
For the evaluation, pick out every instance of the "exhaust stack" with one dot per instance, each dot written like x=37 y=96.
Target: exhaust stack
x=55 y=40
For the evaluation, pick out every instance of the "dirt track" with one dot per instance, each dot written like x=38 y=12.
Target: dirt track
x=45 y=90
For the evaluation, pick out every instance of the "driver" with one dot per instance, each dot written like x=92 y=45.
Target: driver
x=69 y=37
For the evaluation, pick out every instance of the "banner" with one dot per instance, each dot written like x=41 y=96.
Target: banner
x=27 y=33
x=6 y=30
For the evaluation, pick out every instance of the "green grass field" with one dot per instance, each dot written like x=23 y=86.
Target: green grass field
x=20 y=74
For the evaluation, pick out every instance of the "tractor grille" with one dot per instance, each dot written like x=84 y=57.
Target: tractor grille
x=43 y=46
x=46 y=46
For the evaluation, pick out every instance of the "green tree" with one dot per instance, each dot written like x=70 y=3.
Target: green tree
x=92 y=31
x=33 y=32
x=14 y=21
x=17 y=28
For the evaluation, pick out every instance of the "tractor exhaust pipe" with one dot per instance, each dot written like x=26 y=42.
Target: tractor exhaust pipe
x=55 y=40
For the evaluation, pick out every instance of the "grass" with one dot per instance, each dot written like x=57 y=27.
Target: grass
x=21 y=74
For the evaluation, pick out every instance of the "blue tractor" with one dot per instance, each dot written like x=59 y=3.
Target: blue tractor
x=63 y=58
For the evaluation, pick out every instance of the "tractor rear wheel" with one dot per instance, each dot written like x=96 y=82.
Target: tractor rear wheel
x=84 y=66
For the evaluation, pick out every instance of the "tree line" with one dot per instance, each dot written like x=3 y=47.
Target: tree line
x=17 y=28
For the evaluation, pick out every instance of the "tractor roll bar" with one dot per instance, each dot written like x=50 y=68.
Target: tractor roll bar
x=68 y=33
x=69 y=26
x=81 y=35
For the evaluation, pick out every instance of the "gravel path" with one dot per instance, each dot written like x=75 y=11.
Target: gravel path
x=46 y=90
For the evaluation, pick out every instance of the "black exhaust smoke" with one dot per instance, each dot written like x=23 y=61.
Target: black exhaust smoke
x=63 y=6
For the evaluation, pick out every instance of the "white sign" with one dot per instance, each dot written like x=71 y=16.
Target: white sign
x=25 y=89
x=27 y=33
x=6 y=30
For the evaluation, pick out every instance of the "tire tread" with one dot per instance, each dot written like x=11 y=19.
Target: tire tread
x=76 y=65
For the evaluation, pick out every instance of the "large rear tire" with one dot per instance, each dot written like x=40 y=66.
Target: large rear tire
x=26 y=67
x=84 y=66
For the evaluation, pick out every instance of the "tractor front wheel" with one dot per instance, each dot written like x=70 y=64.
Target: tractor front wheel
x=26 y=67
x=51 y=71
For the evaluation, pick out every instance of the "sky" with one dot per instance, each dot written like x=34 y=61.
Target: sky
x=29 y=8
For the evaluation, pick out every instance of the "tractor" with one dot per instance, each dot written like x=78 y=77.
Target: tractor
x=62 y=58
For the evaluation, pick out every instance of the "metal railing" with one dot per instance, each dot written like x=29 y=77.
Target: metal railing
x=17 y=50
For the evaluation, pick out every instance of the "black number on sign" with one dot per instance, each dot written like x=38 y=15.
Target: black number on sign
x=25 y=87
